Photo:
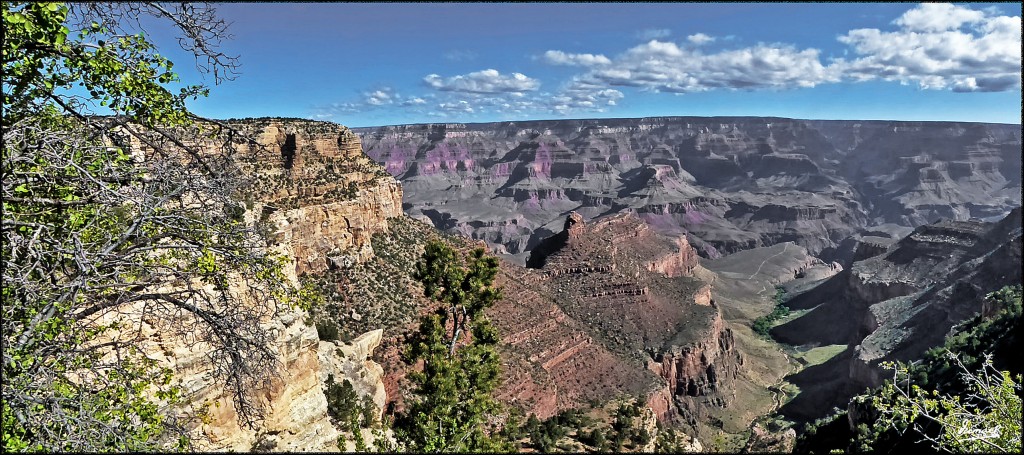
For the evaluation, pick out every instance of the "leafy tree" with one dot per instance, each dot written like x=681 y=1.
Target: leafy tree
x=597 y=440
x=987 y=420
x=120 y=224
x=962 y=396
x=452 y=409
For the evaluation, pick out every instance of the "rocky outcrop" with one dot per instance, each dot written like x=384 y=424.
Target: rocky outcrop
x=700 y=373
x=325 y=199
x=322 y=194
x=730 y=183
x=763 y=440
x=352 y=361
x=680 y=263
x=897 y=305
x=616 y=295
x=551 y=360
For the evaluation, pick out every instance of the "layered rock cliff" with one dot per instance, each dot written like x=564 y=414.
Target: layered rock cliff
x=729 y=183
x=323 y=195
x=700 y=373
x=324 y=199
x=613 y=308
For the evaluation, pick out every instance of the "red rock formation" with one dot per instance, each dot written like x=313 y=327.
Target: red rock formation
x=606 y=295
x=681 y=263
x=701 y=371
x=551 y=362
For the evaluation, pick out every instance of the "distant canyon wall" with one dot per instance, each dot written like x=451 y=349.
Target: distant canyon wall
x=730 y=183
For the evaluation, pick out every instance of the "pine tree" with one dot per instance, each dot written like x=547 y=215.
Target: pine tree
x=452 y=409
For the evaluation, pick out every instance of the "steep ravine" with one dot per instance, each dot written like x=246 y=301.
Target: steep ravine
x=897 y=304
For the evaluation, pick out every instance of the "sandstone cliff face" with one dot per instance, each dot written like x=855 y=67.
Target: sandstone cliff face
x=731 y=183
x=324 y=196
x=325 y=199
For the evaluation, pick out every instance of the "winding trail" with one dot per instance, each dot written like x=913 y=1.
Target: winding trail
x=784 y=246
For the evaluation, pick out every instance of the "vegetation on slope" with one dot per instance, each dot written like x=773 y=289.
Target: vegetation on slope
x=763 y=324
x=381 y=293
x=577 y=430
x=962 y=397
x=452 y=409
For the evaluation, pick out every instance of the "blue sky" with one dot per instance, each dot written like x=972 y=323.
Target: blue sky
x=391 y=63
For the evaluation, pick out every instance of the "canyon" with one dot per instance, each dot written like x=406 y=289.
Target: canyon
x=901 y=301
x=874 y=228
x=638 y=254
x=727 y=183
x=614 y=308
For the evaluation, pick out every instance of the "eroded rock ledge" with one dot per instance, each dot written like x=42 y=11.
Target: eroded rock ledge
x=613 y=308
x=325 y=199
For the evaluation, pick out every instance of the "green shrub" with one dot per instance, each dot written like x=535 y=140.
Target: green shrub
x=327 y=331
x=763 y=324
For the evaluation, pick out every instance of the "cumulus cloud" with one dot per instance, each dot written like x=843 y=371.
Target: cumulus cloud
x=937 y=17
x=486 y=81
x=562 y=58
x=940 y=46
x=653 y=33
x=933 y=46
x=379 y=97
x=369 y=100
x=582 y=96
x=414 y=101
x=700 y=38
x=460 y=106
x=662 y=66
x=936 y=46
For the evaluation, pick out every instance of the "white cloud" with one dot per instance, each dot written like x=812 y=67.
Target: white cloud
x=937 y=46
x=580 y=95
x=700 y=38
x=653 y=33
x=937 y=17
x=665 y=67
x=415 y=101
x=379 y=97
x=655 y=49
x=460 y=106
x=486 y=81
x=370 y=100
x=934 y=46
x=940 y=46
x=562 y=58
